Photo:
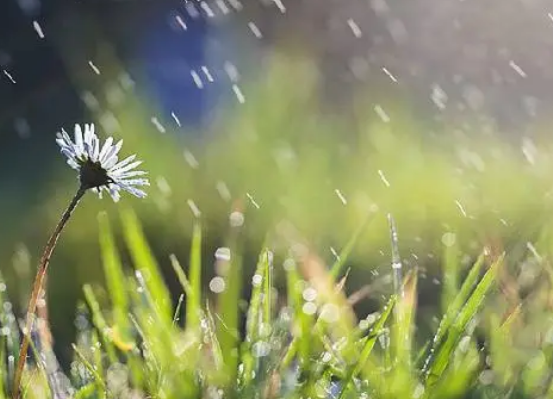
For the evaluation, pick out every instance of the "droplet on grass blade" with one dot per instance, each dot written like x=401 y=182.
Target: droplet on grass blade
x=309 y=308
x=449 y=239
x=309 y=294
x=261 y=349
x=257 y=279
x=217 y=285
x=223 y=254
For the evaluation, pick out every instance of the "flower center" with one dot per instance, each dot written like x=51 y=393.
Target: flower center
x=92 y=174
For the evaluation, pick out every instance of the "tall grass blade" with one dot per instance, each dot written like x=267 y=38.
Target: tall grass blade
x=193 y=307
x=459 y=325
x=368 y=346
x=453 y=310
x=115 y=277
x=146 y=263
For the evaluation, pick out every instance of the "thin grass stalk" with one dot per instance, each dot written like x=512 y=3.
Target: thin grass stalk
x=37 y=286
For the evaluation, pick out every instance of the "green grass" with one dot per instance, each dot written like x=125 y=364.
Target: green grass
x=458 y=324
x=295 y=342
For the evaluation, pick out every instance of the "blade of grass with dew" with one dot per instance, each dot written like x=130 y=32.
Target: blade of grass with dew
x=92 y=370
x=161 y=337
x=403 y=328
x=193 y=300
x=301 y=339
x=145 y=262
x=267 y=291
x=115 y=277
x=466 y=314
x=97 y=356
x=99 y=322
x=254 y=318
x=228 y=308
x=368 y=346
x=350 y=245
x=453 y=310
x=181 y=275
x=217 y=366
x=397 y=266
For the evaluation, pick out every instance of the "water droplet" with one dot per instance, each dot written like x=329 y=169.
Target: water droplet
x=217 y=285
x=309 y=294
x=194 y=208
x=9 y=76
x=155 y=121
x=223 y=254
x=236 y=219
x=197 y=79
x=383 y=178
x=354 y=28
x=257 y=279
x=38 y=29
x=261 y=349
x=449 y=239
x=94 y=67
x=341 y=196
x=309 y=308
x=381 y=114
x=255 y=30
x=330 y=313
x=191 y=159
x=238 y=93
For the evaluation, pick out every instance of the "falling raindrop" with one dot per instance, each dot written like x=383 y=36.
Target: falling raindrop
x=194 y=208
x=341 y=196
x=191 y=159
x=381 y=113
x=94 y=67
x=155 y=121
x=38 y=29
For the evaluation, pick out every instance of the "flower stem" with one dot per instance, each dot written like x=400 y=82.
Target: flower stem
x=37 y=286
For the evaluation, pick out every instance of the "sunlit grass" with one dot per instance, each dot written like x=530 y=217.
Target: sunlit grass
x=314 y=192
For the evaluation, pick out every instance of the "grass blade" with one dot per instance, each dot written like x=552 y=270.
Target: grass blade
x=453 y=310
x=115 y=278
x=193 y=307
x=146 y=263
x=368 y=346
x=458 y=327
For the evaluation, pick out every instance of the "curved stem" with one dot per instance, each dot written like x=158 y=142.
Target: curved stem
x=37 y=286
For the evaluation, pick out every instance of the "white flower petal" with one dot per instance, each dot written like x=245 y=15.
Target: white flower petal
x=125 y=168
x=136 y=182
x=114 y=192
x=79 y=140
x=96 y=149
x=124 y=162
x=89 y=133
x=126 y=175
x=73 y=164
x=111 y=155
x=105 y=149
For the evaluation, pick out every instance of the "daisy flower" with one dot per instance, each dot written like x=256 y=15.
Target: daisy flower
x=99 y=168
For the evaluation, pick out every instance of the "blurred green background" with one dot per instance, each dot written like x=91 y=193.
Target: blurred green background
x=276 y=144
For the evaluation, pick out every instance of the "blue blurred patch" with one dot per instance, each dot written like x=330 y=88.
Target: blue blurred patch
x=174 y=47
